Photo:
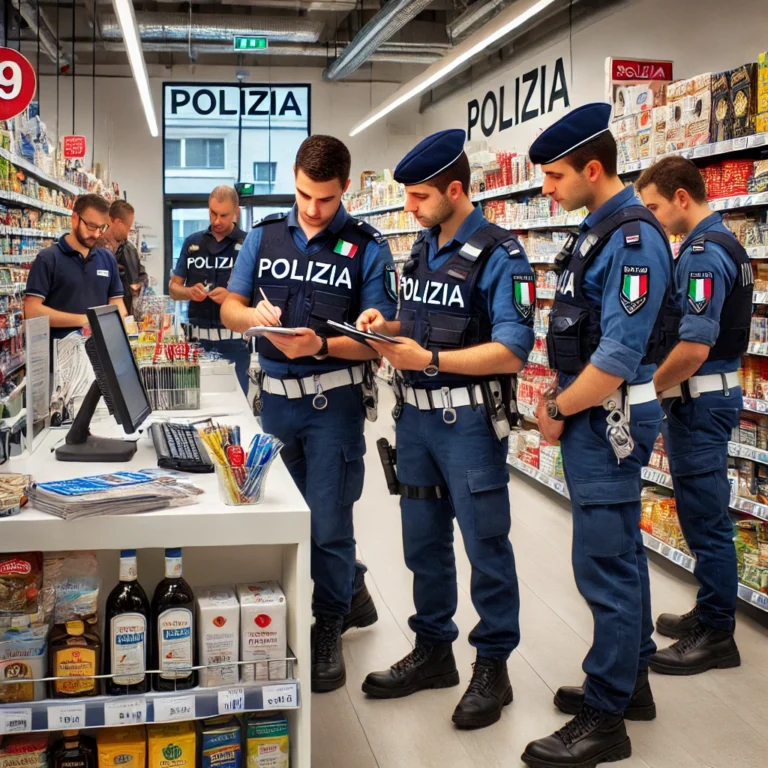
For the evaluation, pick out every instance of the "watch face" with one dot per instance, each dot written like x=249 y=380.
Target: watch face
x=431 y=370
x=552 y=409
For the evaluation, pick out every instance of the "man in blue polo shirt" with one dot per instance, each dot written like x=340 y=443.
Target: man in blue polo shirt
x=71 y=276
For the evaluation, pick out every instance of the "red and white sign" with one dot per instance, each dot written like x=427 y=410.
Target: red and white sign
x=643 y=70
x=17 y=83
x=74 y=147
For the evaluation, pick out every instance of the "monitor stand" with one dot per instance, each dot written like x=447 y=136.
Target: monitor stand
x=80 y=445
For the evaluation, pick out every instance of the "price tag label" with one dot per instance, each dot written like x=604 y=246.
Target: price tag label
x=66 y=718
x=232 y=700
x=125 y=712
x=180 y=708
x=280 y=696
x=15 y=720
x=758 y=139
x=740 y=143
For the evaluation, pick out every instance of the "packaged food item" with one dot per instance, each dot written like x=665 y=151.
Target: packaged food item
x=722 y=110
x=220 y=739
x=122 y=747
x=267 y=740
x=172 y=745
x=71 y=585
x=744 y=99
x=218 y=627
x=748 y=432
x=746 y=478
x=733 y=477
x=20 y=582
x=263 y=631
x=28 y=750
x=23 y=656
x=74 y=751
x=75 y=657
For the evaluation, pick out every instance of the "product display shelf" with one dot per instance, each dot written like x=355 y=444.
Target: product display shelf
x=739 y=451
x=551 y=482
x=13 y=365
x=757 y=251
x=41 y=175
x=31 y=202
x=27 y=232
x=542 y=259
x=545 y=293
x=221 y=545
x=760 y=297
x=759 y=348
x=739 y=201
x=392 y=232
x=754 y=405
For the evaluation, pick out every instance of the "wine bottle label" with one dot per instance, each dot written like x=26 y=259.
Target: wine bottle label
x=172 y=567
x=128 y=569
x=75 y=662
x=129 y=648
x=175 y=642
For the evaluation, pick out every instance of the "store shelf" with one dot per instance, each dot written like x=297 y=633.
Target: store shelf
x=512 y=189
x=545 y=293
x=542 y=259
x=38 y=173
x=195 y=704
x=657 y=477
x=31 y=202
x=753 y=597
x=756 y=406
x=27 y=232
x=17 y=361
x=739 y=201
x=391 y=232
x=757 y=251
x=758 y=348
x=739 y=451
x=675 y=555
x=760 y=297
x=551 y=482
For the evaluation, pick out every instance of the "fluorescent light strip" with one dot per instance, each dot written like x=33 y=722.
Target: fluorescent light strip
x=445 y=69
x=127 y=20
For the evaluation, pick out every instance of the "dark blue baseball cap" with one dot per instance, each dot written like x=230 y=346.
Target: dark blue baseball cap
x=578 y=127
x=431 y=156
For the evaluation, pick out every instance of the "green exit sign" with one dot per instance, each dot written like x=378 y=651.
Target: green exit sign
x=250 y=43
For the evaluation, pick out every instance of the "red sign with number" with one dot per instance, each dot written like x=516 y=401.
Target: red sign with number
x=17 y=83
x=74 y=147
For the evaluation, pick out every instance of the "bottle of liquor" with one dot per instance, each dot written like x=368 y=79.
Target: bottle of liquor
x=74 y=751
x=173 y=622
x=127 y=628
x=74 y=657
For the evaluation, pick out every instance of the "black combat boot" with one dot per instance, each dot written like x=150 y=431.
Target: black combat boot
x=592 y=737
x=701 y=649
x=426 y=666
x=641 y=706
x=328 y=670
x=488 y=693
x=672 y=625
x=362 y=613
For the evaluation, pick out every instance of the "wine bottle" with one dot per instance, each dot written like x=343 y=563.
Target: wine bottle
x=128 y=631
x=74 y=751
x=173 y=622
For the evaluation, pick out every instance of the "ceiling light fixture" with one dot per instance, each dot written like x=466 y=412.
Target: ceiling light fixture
x=507 y=21
x=127 y=21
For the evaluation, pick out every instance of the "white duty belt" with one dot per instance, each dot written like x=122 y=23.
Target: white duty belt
x=313 y=386
x=448 y=399
x=214 y=334
x=638 y=394
x=711 y=382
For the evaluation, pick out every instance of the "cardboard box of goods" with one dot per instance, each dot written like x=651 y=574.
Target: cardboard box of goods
x=744 y=99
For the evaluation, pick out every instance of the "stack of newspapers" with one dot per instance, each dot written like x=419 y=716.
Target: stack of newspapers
x=118 y=493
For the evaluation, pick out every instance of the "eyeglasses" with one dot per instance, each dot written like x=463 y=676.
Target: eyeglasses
x=94 y=227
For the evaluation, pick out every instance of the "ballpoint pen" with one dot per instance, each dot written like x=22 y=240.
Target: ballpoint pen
x=264 y=296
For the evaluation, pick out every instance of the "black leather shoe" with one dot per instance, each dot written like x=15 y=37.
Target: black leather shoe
x=592 y=737
x=641 y=706
x=672 y=625
x=426 y=666
x=488 y=693
x=701 y=649
x=328 y=670
x=362 y=612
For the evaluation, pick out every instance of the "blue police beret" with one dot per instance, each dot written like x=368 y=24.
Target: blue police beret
x=431 y=156
x=578 y=127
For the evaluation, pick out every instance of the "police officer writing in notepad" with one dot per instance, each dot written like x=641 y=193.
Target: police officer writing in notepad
x=465 y=324
x=605 y=335
x=315 y=264
x=201 y=275
x=701 y=397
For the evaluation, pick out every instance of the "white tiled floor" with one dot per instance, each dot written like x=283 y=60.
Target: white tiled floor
x=719 y=719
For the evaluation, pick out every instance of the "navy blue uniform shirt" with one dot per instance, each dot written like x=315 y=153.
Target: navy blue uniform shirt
x=374 y=295
x=703 y=327
x=225 y=250
x=70 y=283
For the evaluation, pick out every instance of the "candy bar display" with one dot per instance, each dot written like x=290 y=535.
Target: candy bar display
x=515 y=213
x=393 y=221
x=497 y=170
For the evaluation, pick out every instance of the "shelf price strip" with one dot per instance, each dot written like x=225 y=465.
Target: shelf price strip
x=15 y=720
x=178 y=708
x=231 y=700
x=66 y=718
x=125 y=712
x=281 y=696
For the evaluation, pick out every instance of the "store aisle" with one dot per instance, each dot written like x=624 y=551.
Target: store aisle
x=716 y=720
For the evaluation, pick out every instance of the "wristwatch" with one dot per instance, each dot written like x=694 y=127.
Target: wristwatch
x=553 y=411
x=433 y=368
x=323 y=352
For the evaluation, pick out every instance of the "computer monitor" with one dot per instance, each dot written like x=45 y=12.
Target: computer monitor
x=119 y=382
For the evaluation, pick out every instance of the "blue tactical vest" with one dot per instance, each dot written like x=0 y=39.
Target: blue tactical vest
x=310 y=289
x=211 y=268
x=736 y=314
x=574 y=325
x=438 y=308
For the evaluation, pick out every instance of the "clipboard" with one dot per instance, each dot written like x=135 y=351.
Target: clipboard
x=364 y=336
x=260 y=330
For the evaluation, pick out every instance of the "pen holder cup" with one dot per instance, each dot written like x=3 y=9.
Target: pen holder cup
x=239 y=486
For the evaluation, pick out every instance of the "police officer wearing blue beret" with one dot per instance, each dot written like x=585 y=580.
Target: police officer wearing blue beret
x=606 y=335
x=701 y=397
x=299 y=270
x=465 y=325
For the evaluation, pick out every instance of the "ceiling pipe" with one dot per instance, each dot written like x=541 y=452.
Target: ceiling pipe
x=473 y=18
x=45 y=32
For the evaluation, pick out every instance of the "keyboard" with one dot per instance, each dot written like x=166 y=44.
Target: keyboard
x=178 y=446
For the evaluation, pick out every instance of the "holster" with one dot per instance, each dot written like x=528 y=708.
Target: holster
x=388 y=456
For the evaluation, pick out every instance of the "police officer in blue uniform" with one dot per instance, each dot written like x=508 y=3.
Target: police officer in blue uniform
x=201 y=275
x=315 y=264
x=465 y=324
x=606 y=334
x=701 y=397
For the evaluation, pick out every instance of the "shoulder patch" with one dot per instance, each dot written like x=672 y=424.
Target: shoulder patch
x=390 y=281
x=524 y=294
x=698 y=248
x=512 y=247
x=195 y=248
x=370 y=229
x=700 y=290
x=633 y=290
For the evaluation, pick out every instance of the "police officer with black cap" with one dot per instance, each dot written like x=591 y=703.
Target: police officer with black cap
x=701 y=396
x=201 y=275
x=606 y=334
x=299 y=270
x=465 y=326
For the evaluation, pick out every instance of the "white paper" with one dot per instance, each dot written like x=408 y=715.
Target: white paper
x=231 y=700
x=177 y=708
x=15 y=720
x=280 y=696
x=66 y=718
x=125 y=712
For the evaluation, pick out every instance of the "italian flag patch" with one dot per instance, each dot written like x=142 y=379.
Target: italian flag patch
x=634 y=288
x=699 y=290
x=345 y=249
x=524 y=293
